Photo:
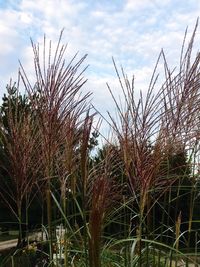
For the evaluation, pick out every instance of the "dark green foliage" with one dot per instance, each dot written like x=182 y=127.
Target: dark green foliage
x=175 y=199
x=15 y=103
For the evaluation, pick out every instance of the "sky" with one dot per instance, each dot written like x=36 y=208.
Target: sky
x=131 y=31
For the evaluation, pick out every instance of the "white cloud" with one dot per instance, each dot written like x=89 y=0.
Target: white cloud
x=135 y=5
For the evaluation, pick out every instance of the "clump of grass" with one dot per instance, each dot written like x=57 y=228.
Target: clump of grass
x=103 y=193
x=19 y=140
x=153 y=128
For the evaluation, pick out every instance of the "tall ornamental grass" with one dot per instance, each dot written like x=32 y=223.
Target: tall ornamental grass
x=132 y=202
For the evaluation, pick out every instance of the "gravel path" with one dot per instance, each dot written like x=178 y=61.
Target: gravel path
x=8 y=244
